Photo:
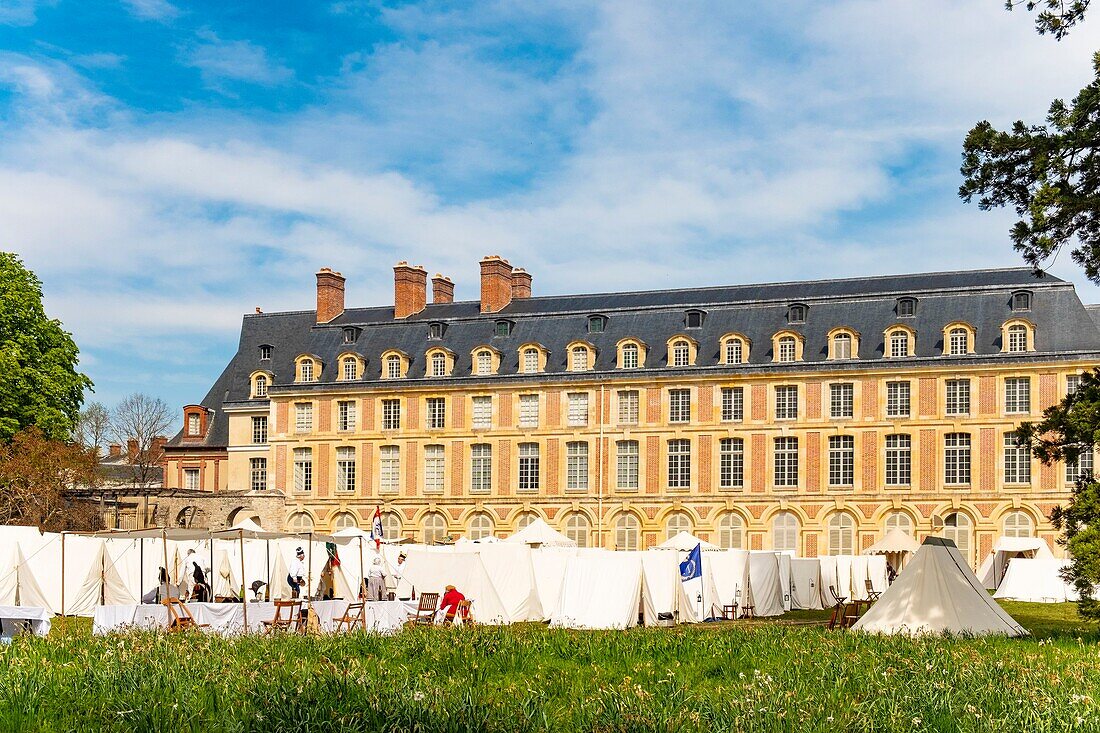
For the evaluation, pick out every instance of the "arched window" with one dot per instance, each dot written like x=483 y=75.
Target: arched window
x=899 y=344
x=596 y=324
x=842 y=346
x=626 y=532
x=1021 y=301
x=958 y=342
x=787 y=349
x=731 y=528
x=900 y=521
x=349 y=369
x=260 y=386
x=681 y=354
x=957 y=527
x=578 y=359
x=439 y=365
x=1018 y=524
x=785 y=532
x=525 y=519
x=481 y=526
x=734 y=351
x=391 y=525
x=344 y=520
x=300 y=522
x=393 y=367
x=435 y=527
x=577 y=528
x=484 y=362
x=530 y=361
x=1017 y=338
x=842 y=534
x=630 y=356
x=676 y=523
x=305 y=370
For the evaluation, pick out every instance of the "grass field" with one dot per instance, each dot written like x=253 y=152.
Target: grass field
x=778 y=676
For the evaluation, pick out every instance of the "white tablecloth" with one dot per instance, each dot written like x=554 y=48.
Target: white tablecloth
x=14 y=618
x=383 y=617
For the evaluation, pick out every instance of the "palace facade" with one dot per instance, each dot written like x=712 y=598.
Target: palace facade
x=807 y=416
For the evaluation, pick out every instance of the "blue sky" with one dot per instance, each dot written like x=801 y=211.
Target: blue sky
x=167 y=166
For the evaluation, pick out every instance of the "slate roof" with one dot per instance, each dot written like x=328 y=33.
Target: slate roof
x=867 y=305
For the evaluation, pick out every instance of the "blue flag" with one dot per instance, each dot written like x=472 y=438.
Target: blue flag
x=692 y=567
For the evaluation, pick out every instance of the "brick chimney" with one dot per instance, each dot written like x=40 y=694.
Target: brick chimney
x=131 y=449
x=330 y=295
x=158 y=446
x=114 y=450
x=521 y=284
x=410 y=289
x=443 y=289
x=496 y=283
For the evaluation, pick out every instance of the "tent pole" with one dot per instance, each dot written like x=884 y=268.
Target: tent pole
x=309 y=576
x=164 y=537
x=267 y=593
x=141 y=568
x=244 y=585
x=62 y=574
x=362 y=571
x=210 y=575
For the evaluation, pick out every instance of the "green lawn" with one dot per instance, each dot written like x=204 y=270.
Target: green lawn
x=761 y=676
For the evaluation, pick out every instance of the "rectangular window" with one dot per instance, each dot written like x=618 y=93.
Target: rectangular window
x=391 y=414
x=958 y=396
x=191 y=479
x=1017 y=461
x=303 y=417
x=578 y=408
x=786 y=402
x=345 y=415
x=345 y=469
x=389 y=469
x=1079 y=467
x=350 y=369
x=258 y=468
x=731 y=463
x=627 y=464
x=956 y=459
x=528 y=466
x=193 y=424
x=528 y=410
x=899 y=460
x=483 y=412
x=576 y=466
x=1018 y=395
x=307 y=371
x=434 y=468
x=303 y=469
x=1073 y=383
x=437 y=413
x=393 y=367
x=679 y=464
x=733 y=404
x=679 y=405
x=484 y=362
x=897 y=399
x=628 y=407
x=481 y=468
x=786 y=462
x=630 y=356
x=840 y=399
x=259 y=429
x=530 y=361
x=265 y=353
x=842 y=452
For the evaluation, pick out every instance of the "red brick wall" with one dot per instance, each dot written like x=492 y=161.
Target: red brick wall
x=869 y=393
x=412 y=467
x=280 y=465
x=324 y=417
x=928 y=460
x=813 y=462
x=503 y=467
x=366 y=469
x=552 y=405
x=759 y=402
x=367 y=418
x=986 y=478
x=654 y=475
x=320 y=469
x=496 y=284
x=706 y=403
x=759 y=476
x=281 y=409
x=653 y=405
x=457 y=406
x=412 y=413
x=813 y=400
x=870 y=458
x=706 y=450
x=551 y=470
x=1048 y=392
x=458 y=466
x=926 y=401
x=987 y=395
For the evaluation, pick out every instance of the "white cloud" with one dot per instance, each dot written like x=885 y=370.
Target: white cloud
x=160 y=10
x=219 y=61
x=22 y=12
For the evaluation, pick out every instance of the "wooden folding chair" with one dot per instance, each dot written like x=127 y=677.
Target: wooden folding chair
x=462 y=614
x=838 y=608
x=179 y=616
x=872 y=594
x=425 y=611
x=354 y=615
x=292 y=618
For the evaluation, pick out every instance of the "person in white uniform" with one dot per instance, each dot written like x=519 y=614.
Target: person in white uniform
x=296 y=577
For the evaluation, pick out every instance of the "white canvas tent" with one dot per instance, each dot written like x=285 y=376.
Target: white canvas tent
x=1037 y=580
x=685 y=542
x=764 y=589
x=431 y=570
x=540 y=534
x=726 y=575
x=102 y=585
x=513 y=574
x=806 y=583
x=549 y=564
x=601 y=590
x=897 y=546
x=992 y=569
x=664 y=593
x=937 y=593
x=18 y=586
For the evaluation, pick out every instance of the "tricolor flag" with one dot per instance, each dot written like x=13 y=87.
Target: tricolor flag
x=376 y=528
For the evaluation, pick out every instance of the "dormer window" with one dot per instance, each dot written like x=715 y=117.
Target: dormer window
x=531 y=360
x=630 y=356
x=796 y=313
x=435 y=330
x=305 y=371
x=350 y=335
x=503 y=328
x=393 y=367
x=842 y=346
x=596 y=324
x=259 y=386
x=349 y=368
x=194 y=424
x=265 y=353
x=1021 y=301
x=735 y=349
x=578 y=359
x=694 y=319
x=484 y=362
x=787 y=350
x=906 y=307
x=439 y=365
x=681 y=354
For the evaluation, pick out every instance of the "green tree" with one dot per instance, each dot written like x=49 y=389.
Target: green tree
x=1050 y=174
x=1067 y=430
x=1055 y=16
x=39 y=383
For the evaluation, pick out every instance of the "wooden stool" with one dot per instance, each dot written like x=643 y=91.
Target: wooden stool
x=748 y=611
x=729 y=612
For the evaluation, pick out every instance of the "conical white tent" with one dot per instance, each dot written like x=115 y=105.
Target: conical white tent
x=685 y=542
x=937 y=593
x=18 y=586
x=540 y=534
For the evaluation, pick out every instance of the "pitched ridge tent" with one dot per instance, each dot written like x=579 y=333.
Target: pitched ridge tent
x=992 y=569
x=513 y=574
x=600 y=590
x=102 y=586
x=430 y=570
x=728 y=574
x=1037 y=580
x=685 y=542
x=664 y=593
x=764 y=587
x=549 y=564
x=18 y=586
x=937 y=593
x=806 y=583
x=540 y=534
